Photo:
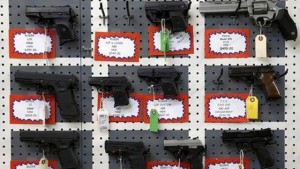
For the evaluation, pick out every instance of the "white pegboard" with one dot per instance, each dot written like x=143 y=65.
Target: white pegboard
x=196 y=64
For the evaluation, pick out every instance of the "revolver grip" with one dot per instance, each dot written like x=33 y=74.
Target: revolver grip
x=264 y=156
x=286 y=25
x=66 y=103
x=269 y=86
x=169 y=87
x=65 y=34
x=178 y=21
x=67 y=158
x=120 y=96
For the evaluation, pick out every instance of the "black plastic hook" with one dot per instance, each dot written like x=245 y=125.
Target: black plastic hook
x=128 y=16
x=103 y=17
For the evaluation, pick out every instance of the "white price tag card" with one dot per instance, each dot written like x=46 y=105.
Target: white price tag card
x=32 y=44
x=225 y=108
x=117 y=46
x=225 y=163
x=31 y=109
x=31 y=164
x=167 y=165
x=169 y=110
x=180 y=42
x=227 y=43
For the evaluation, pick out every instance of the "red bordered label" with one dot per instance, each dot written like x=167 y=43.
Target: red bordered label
x=117 y=46
x=180 y=42
x=167 y=165
x=32 y=44
x=226 y=108
x=27 y=109
x=227 y=43
x=225 y=163
x=129 y=113
x=30 y=164
x=173 y=110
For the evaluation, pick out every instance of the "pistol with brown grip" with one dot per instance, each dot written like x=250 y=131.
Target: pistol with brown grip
x=264 y=75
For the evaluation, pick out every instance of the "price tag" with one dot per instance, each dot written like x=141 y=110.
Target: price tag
x=165 y=40
x=103 y=119
x=153 y=120
x=261 y=46
x=43 y=164
x=252 y=107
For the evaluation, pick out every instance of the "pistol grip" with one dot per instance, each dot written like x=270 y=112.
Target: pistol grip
x=196 y=162
x=264 y=156
x=68 y=158
x=120 y=96
x=169 y=87
x=137 y=161
x=65 y=34
x=286 y=25
x=269 y=86
x=66 y=103
x=178 y=21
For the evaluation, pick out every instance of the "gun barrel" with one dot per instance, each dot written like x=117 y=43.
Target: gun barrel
x=30 y=77
x=248 y=71
x=158 y=72
x=43 y=136
x=53 y=12
x=109 y=81
x=222 y=7
x=190 y=143
x=260 y=135
x=166 y=6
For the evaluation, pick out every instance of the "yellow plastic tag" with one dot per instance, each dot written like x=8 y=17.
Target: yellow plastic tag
x=252 y=107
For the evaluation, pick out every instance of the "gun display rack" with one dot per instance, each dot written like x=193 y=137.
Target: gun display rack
x=269 y=110
x=72 y=57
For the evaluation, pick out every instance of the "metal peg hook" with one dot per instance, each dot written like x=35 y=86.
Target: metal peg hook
x=103 y=17
x=128 y=16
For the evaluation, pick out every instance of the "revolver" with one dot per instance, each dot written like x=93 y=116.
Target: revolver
x=46 y=19
x=262 y=12
x=134 y=151
x=60 y=85
x=167 y=78
x=186 y=150
x=175 y=13
x=265 y=75
x=256 y=140
x=118 y=86
x=59 y=142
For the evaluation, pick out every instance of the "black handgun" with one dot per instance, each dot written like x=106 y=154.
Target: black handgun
x=186 y=150
x=135 y=152
x=167 y=78
x=60 y=85
x=58 y=141
x=119 y=86
x=257 y=140
x=175 y=13
x=46 y=19
x=264 y=75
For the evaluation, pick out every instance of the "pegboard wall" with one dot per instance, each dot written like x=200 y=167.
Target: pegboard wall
x=71 y=58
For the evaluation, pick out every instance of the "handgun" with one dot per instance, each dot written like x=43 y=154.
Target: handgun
x=257 y=140
x=135 y=152
x=264 y=75
x=167 y=78
x=186 y=150
x=60 y=142
x=175 y=13
x=61 y=86
x=119 y=86
x=262 y=12
x=46 y=19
